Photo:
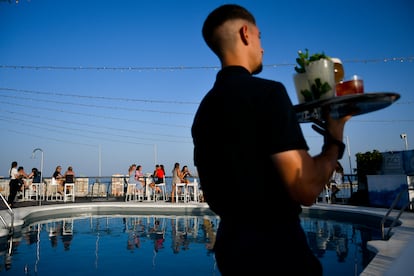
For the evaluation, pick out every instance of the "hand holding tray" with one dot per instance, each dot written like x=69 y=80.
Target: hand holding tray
x=341 y=106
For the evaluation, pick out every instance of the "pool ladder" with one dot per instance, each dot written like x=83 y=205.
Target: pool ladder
x=11 y=229
x=386 y=234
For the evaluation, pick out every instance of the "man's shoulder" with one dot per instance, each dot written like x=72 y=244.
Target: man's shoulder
x=267 y=82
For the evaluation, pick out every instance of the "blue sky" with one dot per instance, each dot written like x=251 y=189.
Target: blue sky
x=99 y=85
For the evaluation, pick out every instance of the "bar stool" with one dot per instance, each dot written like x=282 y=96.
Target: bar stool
x=41 y=191
x=132 y=194
x=53 y=193
x=37 y=190
x=69 y=193
x=163 y=192
x=183 y=195
x=192 y=188
x=160 y=186
x=139 y=195
x=27 y=191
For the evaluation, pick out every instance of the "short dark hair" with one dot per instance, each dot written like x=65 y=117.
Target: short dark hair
x=220 y=15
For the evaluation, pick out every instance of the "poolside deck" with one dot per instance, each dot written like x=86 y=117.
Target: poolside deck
x=394 y=256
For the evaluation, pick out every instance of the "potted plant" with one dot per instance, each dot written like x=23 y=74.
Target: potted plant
x=304 y=60
x=314 y=78
x=368 y=163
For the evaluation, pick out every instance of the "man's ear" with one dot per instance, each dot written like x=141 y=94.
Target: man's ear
x=243 y=34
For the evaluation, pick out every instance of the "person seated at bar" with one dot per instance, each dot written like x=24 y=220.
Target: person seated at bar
x=69 y=177
x=35 y=177
x=133 y=180
x=57 y=175
x=185 y=174
x=139 y=175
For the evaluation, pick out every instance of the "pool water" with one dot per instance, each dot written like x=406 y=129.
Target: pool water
x=158 y=245
x=340 y=246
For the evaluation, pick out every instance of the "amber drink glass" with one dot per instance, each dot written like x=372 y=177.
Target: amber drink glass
x=353 y=86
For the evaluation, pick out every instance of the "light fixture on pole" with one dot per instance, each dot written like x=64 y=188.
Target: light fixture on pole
x=404 y=137
x=41 y=168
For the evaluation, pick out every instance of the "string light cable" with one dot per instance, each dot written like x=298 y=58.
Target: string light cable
x=177 y=68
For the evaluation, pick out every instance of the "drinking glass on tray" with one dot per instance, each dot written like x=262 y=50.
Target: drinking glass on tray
x=354 y=85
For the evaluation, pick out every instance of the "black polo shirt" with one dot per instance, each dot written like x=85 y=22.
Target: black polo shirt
x=239 y=124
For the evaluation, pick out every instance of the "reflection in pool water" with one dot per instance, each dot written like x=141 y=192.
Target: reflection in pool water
x=158 y=245
x=340 y=246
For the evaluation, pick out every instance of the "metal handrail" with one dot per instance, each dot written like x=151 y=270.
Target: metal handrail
x=384 y=219
x=11 y=215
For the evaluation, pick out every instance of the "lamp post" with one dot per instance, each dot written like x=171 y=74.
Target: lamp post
x=100 y=161
x=41 y=170
x=404 y=137
x=155 y=154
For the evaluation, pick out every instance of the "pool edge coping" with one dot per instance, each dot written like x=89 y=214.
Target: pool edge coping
x=393 y=256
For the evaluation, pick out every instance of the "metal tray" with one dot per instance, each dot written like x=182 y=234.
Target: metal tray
x=341 y=106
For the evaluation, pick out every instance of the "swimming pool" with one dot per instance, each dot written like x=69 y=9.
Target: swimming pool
x=126 y=244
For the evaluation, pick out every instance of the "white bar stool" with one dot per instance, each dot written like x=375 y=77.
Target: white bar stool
x=53 y=193
x=163 y=192
x=69 y=193
x=27 y=190
x=132 y=194
x=192 y=188
x=41 y=191
x=183 y=195
x=37 y=190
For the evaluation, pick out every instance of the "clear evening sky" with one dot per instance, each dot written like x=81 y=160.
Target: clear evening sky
x=99 y=85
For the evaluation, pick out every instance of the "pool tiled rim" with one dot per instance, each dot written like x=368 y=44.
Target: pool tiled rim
x=393 y=257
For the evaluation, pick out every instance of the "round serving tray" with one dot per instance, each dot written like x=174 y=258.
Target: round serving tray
x=341 y=106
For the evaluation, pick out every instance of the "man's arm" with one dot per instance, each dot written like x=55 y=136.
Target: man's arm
x=305 y=176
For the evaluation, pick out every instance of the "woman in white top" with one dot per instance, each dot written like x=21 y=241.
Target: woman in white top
x=16 y=176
